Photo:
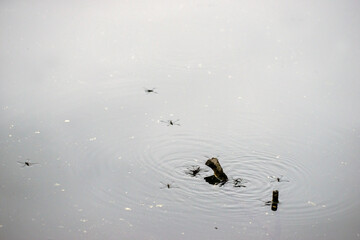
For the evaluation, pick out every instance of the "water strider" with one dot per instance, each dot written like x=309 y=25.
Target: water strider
x=194 y=170
x=27 y=163
x=168 y=185
x=278 y=179
x=171 y=122
x=150 y=90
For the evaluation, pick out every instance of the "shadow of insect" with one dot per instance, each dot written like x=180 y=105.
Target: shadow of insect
x=168 y=185
x=147 y=91
x=171 y=122
x=194 y=170
x=27 y=163
x=277 y=179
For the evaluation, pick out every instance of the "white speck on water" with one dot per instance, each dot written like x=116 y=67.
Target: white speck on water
x=37 y=132
x=67 y=121
x=159 y=205
x=56 y=184
x=106 y=108
x=128 y=209
x=92 y=139
x=121 y=219
x=10 y=135
x=311 y=203
x=132 y=137
x=83 y=220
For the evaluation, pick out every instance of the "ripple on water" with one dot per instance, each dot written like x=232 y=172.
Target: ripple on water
x=136 y=180
x=168 y=159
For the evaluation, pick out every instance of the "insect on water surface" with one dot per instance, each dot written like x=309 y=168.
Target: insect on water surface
x=27 y=163
x=171 y=122
x=194 y=170
x=168 y=185
x=277 y=179
x=150 y=90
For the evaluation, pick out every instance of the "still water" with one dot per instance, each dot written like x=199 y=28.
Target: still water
x=271 y=90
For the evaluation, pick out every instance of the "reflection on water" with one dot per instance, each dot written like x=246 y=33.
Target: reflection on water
x=119 y=108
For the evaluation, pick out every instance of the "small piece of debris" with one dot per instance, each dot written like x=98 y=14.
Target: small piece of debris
x=311 y=203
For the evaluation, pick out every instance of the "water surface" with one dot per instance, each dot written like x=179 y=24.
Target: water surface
x=269 y=89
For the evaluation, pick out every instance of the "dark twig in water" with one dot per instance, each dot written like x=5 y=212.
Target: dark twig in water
x=171 y=122
x=219 y=176
x=274 y=202
x=27 y=163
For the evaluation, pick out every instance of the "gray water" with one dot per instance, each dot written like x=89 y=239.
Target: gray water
x=269 y=88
